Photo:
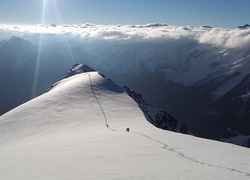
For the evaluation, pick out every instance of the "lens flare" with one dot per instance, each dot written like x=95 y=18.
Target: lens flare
x=39 y=55
x=71 y=55
x=40 y=49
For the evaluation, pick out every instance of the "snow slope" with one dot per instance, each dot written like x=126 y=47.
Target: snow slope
x=62 y=134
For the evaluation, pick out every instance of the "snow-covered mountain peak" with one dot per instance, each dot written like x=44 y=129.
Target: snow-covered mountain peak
x=77 y=69
x=157 y=117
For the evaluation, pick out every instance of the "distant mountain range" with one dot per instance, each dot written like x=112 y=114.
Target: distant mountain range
x=204 y=86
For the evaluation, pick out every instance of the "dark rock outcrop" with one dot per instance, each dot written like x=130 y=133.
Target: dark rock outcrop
x=159 y=118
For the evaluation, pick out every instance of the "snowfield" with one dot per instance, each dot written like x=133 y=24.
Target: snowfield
x=63 y=134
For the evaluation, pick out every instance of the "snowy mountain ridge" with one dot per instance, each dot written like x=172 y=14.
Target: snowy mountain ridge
x=77 y=69
x=63 y=134
x=158 y=118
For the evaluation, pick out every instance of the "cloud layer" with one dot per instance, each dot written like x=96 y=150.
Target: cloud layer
x=222 y=38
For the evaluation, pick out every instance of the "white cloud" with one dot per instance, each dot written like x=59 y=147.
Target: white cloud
x=226 y=38
x=236 y=38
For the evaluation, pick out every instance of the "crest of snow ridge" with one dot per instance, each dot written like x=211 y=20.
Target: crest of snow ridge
x=77 y=69
x=159 y=118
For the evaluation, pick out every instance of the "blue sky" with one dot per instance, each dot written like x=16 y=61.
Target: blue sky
x=216 y=13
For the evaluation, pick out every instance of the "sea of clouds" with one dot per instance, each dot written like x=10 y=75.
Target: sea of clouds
x=223 y=38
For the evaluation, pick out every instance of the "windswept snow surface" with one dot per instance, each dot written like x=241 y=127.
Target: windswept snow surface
x=63 y=135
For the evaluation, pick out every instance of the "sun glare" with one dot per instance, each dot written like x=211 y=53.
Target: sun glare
x=40 y=44
x=65 y=37
x=39 y=55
